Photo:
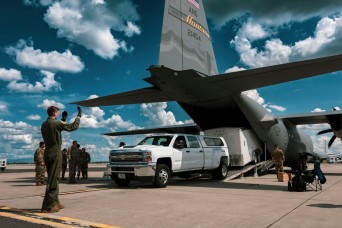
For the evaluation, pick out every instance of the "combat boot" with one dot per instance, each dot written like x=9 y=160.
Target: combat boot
x=60 y=206
x=51 y=210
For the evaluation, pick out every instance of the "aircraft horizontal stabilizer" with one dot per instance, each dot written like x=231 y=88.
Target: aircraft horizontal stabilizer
x=145 y=95
x=183 y=128
x=314 y=118
x=266 y=76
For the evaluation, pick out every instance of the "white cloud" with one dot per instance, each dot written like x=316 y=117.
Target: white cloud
x=10 y=75
x=132 y=29
x=327 y=40
x=320 y=141
x=89 y=24
x=47 y=103
x=38 y=2
x=157 y=115
x=318 y=110
x=269 y=11
x=18 y=138
x=234 y=69
x=278 y=108
x=3 y=108
x=26 y=55
x=33 y=117
x=116 y=122
x=48 y=83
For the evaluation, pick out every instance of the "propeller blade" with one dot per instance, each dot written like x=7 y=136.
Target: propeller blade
x=331 y=141
x=324 y=131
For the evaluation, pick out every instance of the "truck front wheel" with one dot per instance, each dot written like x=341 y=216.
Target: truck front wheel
x=221 y=172
x=162 y=176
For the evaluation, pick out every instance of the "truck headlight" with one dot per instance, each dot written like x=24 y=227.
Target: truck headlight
x=147 y=156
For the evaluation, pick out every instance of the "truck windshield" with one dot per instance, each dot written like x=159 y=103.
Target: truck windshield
x=156 y=140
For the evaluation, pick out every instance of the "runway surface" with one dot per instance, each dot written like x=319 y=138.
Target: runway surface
x=97 y=202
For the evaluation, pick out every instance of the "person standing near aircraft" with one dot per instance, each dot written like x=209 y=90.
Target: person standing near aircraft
x=40 y=164
x=74 y=152
x=85 y=158
x=278 y=159
x=51 y=131
x=64 y=162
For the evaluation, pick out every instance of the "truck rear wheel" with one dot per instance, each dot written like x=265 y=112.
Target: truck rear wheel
x=120 y=182
x=162 y=176
x=221 y=172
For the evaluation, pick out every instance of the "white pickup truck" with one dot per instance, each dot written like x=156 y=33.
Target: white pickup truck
x=158 y=157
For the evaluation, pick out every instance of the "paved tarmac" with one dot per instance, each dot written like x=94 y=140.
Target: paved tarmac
x=97 y=202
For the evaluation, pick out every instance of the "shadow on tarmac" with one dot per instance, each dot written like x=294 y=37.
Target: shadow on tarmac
x=208 y=183
x=325 y=205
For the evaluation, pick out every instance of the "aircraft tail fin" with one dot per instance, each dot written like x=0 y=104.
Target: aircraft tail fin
x=186 y=42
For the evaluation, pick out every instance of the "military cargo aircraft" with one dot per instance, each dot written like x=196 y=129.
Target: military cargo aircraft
x=187 y=73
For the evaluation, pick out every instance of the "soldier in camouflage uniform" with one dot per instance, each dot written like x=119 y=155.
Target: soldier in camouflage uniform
x=74 y=157
x=85 y=158
x=52 y=134
x=40 y=164
x=278 y=159
x=64 y=162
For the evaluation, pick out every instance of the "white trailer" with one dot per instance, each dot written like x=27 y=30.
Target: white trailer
x=243 y=144
x=3 y=164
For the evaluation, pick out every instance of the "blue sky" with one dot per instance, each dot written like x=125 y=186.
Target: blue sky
x=58 y=52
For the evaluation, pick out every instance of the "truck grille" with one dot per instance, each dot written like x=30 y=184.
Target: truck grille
x=126 y=157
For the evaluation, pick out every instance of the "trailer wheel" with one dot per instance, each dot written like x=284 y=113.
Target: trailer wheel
x=221 y=172
x=162 y=176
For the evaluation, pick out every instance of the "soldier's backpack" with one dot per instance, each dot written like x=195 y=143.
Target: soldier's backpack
x=298 y=184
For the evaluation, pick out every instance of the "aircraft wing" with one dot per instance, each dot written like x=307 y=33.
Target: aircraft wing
x=266 y=76
x=145 y=95
x=183 y=128
x=314 y=118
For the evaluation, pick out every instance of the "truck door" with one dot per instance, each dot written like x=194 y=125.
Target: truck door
x=194 y=153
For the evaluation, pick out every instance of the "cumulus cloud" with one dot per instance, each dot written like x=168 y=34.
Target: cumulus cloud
x=3 y=108
x=157 y=115
x=89 y=24
x=132 y=29
x=33 y=117
x=38 y=2
x=269 y=11
x=47 y=103
x=318 y=110
x=48 y=83
x=26 y=55
x=10 y=75
x=321 y=141
x=16 y=138
x=326 y=40
x=116 y=122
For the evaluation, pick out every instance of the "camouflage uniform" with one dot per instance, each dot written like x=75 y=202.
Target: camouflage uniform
x=278 y=158
x=40 y=166
x=74 y=152
x=64 y=163
x=51 y=131
x=85 y=159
